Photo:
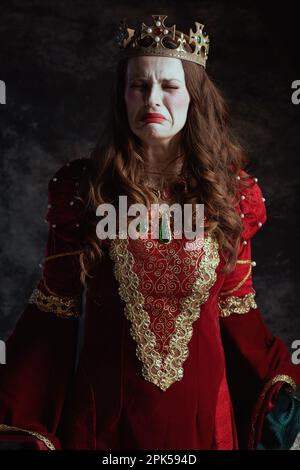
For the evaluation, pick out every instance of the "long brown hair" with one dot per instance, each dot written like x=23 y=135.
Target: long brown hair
x=213 y=158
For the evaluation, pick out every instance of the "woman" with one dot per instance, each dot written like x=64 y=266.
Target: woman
x=175 y=353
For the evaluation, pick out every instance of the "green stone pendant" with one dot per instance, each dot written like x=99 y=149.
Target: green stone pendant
x=165 y=235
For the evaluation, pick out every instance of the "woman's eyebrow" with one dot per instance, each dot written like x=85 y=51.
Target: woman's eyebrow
x=160 y=80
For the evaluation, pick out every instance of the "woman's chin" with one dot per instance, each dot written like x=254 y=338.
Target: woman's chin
x=153 y=131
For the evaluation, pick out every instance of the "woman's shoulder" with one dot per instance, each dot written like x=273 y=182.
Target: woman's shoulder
x=72 y=170
x=66 y=191
x=251 y=204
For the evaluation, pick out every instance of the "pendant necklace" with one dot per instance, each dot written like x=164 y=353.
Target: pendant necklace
x=165 y=233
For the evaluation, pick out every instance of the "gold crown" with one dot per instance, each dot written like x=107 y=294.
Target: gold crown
x=161 y=40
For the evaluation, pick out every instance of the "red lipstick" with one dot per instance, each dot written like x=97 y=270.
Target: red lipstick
x=153 y=117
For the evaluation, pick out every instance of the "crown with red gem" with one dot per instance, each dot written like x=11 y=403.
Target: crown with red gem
x=161 y=40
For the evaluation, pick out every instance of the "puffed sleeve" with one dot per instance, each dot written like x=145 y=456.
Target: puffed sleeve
x=258 y=363
x=40 y=352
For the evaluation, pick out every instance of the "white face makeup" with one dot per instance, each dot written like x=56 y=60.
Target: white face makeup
x=156 y=85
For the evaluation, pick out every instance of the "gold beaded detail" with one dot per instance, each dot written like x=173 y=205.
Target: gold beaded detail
x=59 y=306
x=235 y=304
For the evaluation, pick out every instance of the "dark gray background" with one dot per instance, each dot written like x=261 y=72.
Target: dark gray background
x=56 y=58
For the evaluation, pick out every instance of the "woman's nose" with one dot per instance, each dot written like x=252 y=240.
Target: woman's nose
x=153 y=95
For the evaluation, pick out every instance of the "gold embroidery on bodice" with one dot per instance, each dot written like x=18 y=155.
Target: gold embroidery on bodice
x=163 y=287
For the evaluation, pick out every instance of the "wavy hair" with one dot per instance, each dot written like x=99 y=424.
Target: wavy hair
x=213 y=158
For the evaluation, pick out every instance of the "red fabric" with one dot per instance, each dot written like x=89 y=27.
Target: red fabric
x=225 y=436
x=251 y=204
x=108 y=404
x=34 y=382
x=254 y=357
x=41 y=351
x=263 y=407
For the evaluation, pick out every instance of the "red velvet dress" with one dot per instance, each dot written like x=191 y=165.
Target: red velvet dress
x=174 y=354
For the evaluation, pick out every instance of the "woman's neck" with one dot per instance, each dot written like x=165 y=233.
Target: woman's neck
x=161 y=174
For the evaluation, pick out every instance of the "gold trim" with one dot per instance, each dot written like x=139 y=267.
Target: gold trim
x=45 y=440
x=243 y=261
x=62 y=308
x=278 y=378
x=159 y=371
x=235 y=304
